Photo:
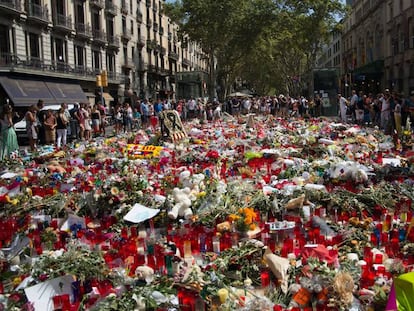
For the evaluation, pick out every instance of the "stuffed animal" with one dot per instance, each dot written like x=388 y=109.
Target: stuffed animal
x=302 y=293
x=182 y=206
x=145 y=273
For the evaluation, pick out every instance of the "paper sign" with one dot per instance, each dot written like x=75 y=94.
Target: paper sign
x=140 y=213
x=41 y=294
x=73 y=220
x=391 y=161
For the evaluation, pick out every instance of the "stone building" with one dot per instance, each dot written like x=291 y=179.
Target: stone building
x=378 y=46
x=53 y=50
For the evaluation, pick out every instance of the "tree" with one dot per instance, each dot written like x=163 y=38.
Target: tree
x=265 y=41
x=225 y=29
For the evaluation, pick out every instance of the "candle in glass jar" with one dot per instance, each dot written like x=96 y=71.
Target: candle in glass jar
x=216 y=245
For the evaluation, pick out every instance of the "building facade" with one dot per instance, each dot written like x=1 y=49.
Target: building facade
x=378 y=46
x=66 y=43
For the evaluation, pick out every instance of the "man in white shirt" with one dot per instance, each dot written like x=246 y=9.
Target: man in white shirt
x=343 y=107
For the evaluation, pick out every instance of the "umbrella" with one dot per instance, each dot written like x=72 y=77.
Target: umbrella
x=239 y=94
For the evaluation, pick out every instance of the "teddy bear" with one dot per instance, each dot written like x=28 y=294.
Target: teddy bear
x=182 y=206
x=302 y=293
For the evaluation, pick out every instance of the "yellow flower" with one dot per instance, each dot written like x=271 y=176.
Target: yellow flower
x=29 y=191
x=114 y=191
x=223 y=294
x=17 y=281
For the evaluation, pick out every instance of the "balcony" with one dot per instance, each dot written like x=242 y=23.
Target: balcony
x=140 y=42
x=169 y=36
x=151 y=45
x=152 y=69
x=155 y=26
x=128 y=63
x=113 y=42
x=139 y=16
x=161 y=31
x=173 y=56
x=13 y=7
x=37 y=14
x=154 y=6
x=149 y=22
x=126 y=35
x=100 y=4
x=162 y=50
x=186 y=62
x=83 y=31
x=110 y=8
x=63 y=23
x=124 y=7
x=148 y=3
x=99 y=37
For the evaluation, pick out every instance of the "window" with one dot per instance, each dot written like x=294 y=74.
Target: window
x=79 y=56
x=132 y=27
x=80 y=17
x=60 y=50
x=34 y=45
x=4 y=39
x=124 y=27
x=96 y=59
x=110 y=27
x=96 y=21
x=110 y=62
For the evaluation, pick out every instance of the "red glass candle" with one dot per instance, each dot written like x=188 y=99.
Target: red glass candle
x=265 y=278
x=378 y=258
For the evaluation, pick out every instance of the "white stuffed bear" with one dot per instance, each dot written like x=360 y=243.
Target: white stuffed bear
x=182 y=206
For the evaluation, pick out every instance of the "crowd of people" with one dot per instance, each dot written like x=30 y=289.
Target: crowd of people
x=388 y=110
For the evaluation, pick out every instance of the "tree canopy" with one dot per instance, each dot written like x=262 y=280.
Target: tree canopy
x=262 y=42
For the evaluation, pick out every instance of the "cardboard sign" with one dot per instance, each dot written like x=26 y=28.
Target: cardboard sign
x=41 y=294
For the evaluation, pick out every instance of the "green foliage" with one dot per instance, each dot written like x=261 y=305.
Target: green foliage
x=261 y=41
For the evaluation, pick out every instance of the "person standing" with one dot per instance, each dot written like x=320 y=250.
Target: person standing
x=40 y=115
x=31 y=126
x=343 y=106
x=61 y=127
x=50 y=127
x=9 y=142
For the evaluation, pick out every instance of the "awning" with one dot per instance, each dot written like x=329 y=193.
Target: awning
x=66 y=92
x=107 y=97
x=90 y=95
x=24 y=93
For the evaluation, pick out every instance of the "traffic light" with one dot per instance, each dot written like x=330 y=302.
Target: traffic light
x=104 y=78
x=98 y=80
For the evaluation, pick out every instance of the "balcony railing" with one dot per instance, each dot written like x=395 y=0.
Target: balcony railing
x=111 y=8
x=155 y=26
x=186 y=62
x=50 y=67
x=97 y=3
x=83 y=30
x=161 y=31
x=149 y=22
x=154 y=6
x=148 y=3
x=113 y=41
x=173 y=55
x=99 y=36
x=13 y=5
x=63 y=22
x=37 y=12
x=128 y=63
x=169 y=35
x=126 y=34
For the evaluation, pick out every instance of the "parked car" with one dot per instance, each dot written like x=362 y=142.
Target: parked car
x=20 y=127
